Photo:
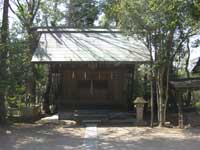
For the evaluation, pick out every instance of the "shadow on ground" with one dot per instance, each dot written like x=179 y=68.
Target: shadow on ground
x=42 y=137
x=134 y=138
x=61 y=135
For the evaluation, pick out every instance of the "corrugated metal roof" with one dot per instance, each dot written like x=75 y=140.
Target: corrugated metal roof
x=89 y=45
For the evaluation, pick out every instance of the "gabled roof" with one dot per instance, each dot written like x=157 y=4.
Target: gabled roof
x=186 y=83
x=88 y=45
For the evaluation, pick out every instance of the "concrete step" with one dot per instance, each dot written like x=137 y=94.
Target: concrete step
x=91 y=121
x=103 y=115
x=91 y=116
x=95 y=111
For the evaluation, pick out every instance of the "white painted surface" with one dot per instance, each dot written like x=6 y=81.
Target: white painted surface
x=91 y=137
x=54 y=117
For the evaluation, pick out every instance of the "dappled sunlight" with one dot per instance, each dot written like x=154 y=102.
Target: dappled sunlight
x=192 y=132
x=141 y=138
x=137 y=133
x=28 y=140
x=75 y=131
x=121 y=133
x=42 y=136
x=71 y=137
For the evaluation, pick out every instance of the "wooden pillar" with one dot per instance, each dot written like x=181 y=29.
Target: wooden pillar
x=180 y=110
x=46 y=102
x=152 y=102
x=131 y=88
x=60 y=97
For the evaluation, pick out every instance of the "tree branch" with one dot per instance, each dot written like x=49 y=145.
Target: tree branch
x=15 y=12
x=188 y=35
x=12 y=10
x=19 y=5
x=35 y=10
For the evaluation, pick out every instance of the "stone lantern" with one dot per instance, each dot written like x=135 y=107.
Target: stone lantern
x=139 y=103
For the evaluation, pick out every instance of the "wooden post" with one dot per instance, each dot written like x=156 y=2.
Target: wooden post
x=131 y=88
x=47 y=92
x=180 y=110
x=152 y=103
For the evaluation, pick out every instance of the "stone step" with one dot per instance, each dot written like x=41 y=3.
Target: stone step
x=96 y=115
x=92 y=111
x=91 y=116
x=91 y=121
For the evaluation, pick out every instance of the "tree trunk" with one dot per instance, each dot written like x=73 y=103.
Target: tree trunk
x=160 y=97
x=189 y=95
x=152 y=103
x=33 y=41
x=166 y=93
x=162 y=92
x=3 y=58
x=145 y=96
x=163 y=76
x=149 y=40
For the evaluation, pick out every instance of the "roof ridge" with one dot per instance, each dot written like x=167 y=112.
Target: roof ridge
x=75 y=30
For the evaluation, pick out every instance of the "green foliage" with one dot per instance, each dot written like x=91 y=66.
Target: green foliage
x=26 y=12
x=112 y=9
x=196 y=99
x=141 y=83
x=165 y=27
x=51 y=13
x=19 y=73
x=195 y=9
x=82 y=13
x=197 y=106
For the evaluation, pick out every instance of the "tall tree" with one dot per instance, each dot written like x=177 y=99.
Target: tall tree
x=26 y=13
x=52 y=13
x=164 y=26
x=82 y=13
x=3 y=59
x=112 y=10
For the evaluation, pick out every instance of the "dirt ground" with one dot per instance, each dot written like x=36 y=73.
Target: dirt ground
x=42 y=136
x=69 y=136
x=144 y=138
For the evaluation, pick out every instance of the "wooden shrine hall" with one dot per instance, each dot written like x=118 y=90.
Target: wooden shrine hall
x=94 y=67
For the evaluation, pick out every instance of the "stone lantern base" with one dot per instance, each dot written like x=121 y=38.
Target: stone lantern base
x=139 y=103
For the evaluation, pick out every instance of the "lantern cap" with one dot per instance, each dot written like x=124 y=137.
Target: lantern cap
x=139 y=100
